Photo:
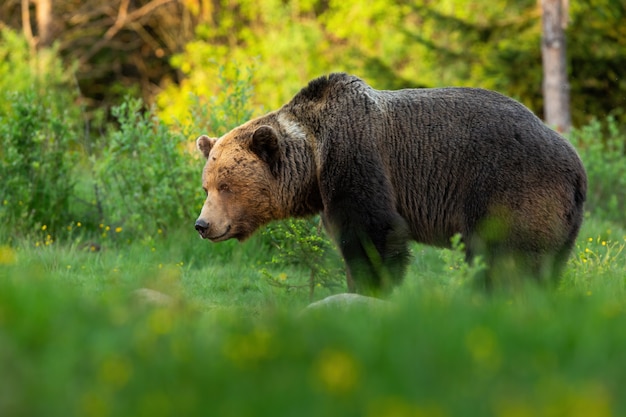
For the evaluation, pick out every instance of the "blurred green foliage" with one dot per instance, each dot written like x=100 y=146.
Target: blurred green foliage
x=200 y=107
x=597 y=58
x=43 y=74
x=392 y=45
x=167 y=46
x=40 y=140
x=75 y=340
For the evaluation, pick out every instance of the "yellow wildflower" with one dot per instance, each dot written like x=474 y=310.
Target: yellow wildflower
x=7 y=255
x=337 y=371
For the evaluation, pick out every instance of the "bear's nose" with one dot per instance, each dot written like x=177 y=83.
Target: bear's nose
x=201 y=226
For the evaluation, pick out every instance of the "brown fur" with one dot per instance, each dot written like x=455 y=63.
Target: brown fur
x=387 y=166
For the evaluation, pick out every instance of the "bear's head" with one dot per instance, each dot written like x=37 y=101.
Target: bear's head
x=239 y=178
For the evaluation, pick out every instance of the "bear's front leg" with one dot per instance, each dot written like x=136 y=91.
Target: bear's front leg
x=376 y=254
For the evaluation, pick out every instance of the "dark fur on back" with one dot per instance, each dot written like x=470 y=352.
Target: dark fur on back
x=428 y=163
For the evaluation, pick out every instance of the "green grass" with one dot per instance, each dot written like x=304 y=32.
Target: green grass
x=75 y=341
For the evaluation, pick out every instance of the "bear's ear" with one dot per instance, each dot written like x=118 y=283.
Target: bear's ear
x=264 y=144
x=205 y=144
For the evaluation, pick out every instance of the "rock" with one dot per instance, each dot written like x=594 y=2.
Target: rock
x=149 y=297
x=346 y=302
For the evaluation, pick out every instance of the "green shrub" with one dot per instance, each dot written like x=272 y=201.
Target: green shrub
x=602 y=149
x=149 y=182
x=38 y=139
x=37 y=154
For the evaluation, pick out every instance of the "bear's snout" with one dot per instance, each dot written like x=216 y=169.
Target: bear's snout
x=208 y=231
x=202 y=227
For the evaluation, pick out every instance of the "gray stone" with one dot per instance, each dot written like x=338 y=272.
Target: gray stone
x=149 y=297
x=346 y=302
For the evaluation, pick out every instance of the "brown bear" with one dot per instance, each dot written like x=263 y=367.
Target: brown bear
x=384 y=167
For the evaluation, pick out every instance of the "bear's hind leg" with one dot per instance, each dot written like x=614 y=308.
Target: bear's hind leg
x=509 y=269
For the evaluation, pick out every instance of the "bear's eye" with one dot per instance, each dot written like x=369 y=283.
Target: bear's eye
x=224 y=187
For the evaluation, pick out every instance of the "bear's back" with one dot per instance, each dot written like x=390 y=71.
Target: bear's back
x=450 y=154
x=468 y=120
x=454 y=154
x=439 y=119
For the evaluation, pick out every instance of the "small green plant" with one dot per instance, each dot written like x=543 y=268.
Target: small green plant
x=301 y=243
x=457 y=272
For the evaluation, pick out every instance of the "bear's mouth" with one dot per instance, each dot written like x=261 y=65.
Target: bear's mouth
x=221 y=237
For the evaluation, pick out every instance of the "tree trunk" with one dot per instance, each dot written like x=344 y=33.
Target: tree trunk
x=26 y=27
x=555 y=85
x=44 y=19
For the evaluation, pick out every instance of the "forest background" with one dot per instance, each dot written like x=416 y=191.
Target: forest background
x=161 y=50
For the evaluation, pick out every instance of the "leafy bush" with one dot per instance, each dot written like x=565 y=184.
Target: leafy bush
x=38 y=138
x=602 y=149
x=149 y=181
x=37 y=155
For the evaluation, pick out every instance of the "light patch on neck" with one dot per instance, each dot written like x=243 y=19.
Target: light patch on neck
x=291 y=127
x=372 y=95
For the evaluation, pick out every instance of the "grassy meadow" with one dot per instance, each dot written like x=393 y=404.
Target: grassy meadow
x=75 y=339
